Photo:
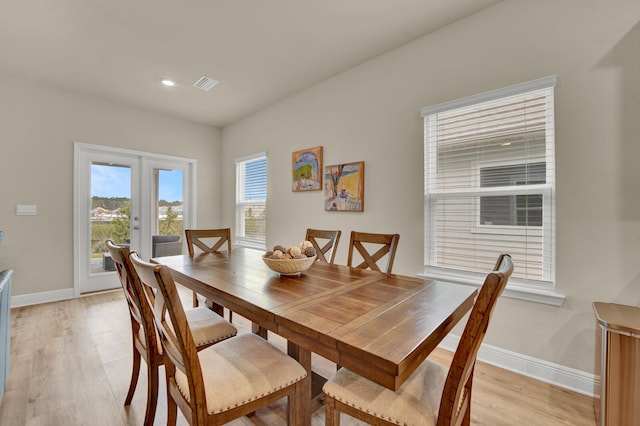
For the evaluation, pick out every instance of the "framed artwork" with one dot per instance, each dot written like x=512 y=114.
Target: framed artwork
x=344 y=187
x=306 y=166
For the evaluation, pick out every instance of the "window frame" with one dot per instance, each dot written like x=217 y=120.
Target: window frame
x=533 y=290
x=241 y=240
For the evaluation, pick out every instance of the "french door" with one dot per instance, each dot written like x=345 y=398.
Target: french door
x=139 y=199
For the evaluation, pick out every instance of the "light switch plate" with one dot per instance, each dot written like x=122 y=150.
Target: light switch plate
x=26 y=210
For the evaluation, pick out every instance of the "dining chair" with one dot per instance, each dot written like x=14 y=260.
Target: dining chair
x=209 y=241
x=209 y=328
x=329 y=239
x=386 y=244
x=432 y=395
x=223 y=382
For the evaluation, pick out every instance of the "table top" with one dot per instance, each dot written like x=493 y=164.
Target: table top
x=381 y=326
x=618 y=318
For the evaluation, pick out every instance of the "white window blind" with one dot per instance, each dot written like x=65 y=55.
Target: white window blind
x=489 y=184
x=251 y=201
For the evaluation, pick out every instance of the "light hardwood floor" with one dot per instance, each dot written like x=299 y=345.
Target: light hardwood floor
x=71 y=363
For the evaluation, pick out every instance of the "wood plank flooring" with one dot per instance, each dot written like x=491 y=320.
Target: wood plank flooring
x=71 y=364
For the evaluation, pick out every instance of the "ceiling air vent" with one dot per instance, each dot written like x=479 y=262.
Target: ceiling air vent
x=205 y=83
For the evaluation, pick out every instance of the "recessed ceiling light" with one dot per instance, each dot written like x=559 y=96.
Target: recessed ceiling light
x=168 y=83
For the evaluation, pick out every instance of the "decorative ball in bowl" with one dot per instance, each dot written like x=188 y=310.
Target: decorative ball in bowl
x=291 y=260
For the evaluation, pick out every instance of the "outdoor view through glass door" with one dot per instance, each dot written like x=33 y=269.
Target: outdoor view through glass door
x=110 y=214
x=168 y=224
x=139 y=200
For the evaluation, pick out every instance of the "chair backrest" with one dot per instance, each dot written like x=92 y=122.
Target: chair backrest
x=175 y=335
x=330 y=239
x=139 y=307
x=456 y=396
x=385 y=243
x=207 y=240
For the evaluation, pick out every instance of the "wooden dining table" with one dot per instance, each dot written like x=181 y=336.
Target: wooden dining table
x=381 y=326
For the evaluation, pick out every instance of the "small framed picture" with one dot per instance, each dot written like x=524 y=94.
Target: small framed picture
x=344 y=187
x=306 y=166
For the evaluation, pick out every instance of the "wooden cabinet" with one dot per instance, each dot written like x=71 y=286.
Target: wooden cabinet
x=617 y=369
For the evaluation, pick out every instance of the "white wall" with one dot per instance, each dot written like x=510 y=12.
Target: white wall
x=38 y=127
x=371 y=113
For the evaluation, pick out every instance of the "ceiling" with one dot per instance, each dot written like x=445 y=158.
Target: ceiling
x=261 y=51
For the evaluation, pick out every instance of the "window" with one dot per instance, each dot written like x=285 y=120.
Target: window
x=512 y=210
x=251 y=201
x=489 y=186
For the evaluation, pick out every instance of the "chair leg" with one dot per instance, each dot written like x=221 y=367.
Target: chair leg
x=294 y=404
x=230 y=316
x=172 y=410
x=152 y=395
x=135 y=371
x=195 y=299
x=331 y=415
x=466 y=420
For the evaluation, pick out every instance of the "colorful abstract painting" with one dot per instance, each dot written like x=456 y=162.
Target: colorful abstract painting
x=344 y=187
x=306 y=165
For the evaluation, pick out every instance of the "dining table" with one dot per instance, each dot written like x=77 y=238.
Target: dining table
x=381 y=326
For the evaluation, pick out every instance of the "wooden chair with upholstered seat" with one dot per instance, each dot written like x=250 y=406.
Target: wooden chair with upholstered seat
x=209 y=328
x=209 y=241
x=386 y=244
x=329 y=240
x=225 y=381
x=432 y=395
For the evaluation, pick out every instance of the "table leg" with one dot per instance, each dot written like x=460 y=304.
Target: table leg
x=259 y=330
x=218 y=309
x=303 y=356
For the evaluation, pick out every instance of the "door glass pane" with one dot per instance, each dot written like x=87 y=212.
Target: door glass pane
x=110 y=212
x=167 y=235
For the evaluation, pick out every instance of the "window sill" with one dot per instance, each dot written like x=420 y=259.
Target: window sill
x=513 y=290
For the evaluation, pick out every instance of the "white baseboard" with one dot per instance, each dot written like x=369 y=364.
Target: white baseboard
x=44 y=297
x=555 y=374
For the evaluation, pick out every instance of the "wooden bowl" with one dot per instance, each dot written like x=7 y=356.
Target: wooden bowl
x=289 y=266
